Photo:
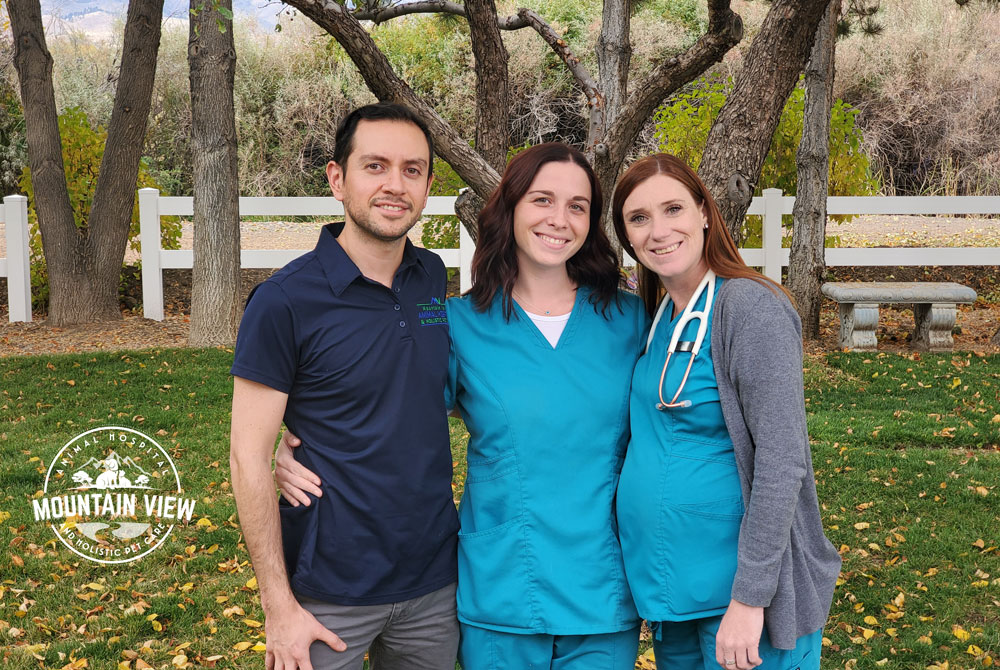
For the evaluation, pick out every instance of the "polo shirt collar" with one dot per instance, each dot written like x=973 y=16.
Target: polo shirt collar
x=340 y=270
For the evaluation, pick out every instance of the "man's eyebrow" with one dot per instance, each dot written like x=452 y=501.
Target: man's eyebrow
x=364 y=158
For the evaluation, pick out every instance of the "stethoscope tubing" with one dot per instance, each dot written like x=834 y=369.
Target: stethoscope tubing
x=707 y=286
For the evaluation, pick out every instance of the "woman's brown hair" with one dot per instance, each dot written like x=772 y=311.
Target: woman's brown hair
x=494 y=265
x=720 y=252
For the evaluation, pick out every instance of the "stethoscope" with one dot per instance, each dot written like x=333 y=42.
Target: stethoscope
x=689 y=314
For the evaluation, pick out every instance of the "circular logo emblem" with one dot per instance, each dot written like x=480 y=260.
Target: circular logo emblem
x=112 y=495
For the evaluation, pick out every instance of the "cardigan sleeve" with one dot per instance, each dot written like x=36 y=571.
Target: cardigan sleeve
x=764 y=361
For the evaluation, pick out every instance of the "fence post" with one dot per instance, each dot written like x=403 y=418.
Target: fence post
x=149 y=251
x=771 y=234
x=466 y=248
x=18 y=260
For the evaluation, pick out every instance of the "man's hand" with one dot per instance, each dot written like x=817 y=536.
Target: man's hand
x=290 y=631
x=738 y=637
x=294 y=479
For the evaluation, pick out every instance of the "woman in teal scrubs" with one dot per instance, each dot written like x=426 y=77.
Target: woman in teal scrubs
x=542 y=352
x=717 y=509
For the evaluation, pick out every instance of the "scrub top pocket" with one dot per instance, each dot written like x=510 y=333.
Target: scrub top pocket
x=489 y=500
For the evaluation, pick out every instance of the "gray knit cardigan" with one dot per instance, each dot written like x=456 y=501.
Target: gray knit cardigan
x=785 y=563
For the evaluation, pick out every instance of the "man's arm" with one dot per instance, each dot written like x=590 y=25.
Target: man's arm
x=290 y=629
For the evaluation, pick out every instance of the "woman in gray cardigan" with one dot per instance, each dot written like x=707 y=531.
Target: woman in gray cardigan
x=720 y=526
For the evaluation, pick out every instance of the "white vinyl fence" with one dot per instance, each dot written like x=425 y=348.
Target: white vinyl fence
x=771 y=257
x=14 y=216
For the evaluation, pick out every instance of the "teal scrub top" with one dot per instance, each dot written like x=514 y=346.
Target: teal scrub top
x=538 y=550
x=679 y=500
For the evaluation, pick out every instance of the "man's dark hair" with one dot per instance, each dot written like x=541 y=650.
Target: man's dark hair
x=380 y=111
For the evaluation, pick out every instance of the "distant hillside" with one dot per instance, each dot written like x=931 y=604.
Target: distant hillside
x=97 y=18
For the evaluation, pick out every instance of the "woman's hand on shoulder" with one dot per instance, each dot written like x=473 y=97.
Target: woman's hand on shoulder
x=738 y=637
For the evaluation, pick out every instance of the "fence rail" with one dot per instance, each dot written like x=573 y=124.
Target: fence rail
x=771 y=257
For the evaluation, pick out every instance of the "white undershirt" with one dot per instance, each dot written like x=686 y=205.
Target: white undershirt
x=550 y=326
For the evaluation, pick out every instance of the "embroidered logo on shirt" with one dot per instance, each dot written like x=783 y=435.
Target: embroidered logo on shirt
x=432 y=313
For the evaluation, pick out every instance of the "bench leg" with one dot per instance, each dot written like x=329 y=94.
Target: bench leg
x=857 y=326
x=934 y=322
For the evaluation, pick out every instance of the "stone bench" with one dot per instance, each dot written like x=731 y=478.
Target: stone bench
x=934 y=309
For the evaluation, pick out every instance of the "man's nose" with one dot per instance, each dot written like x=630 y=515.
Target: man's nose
x=393 y=181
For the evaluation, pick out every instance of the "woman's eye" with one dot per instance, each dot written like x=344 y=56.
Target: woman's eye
x=637 y=218
x=673 y=209
x=542 y=200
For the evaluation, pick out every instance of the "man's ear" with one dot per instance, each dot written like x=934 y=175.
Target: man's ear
x=430 y=182
x=335 y=177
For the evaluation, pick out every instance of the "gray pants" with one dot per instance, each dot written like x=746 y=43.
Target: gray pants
x=417 y=634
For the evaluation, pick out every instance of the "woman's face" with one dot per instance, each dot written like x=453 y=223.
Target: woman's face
x=666 y=227
x=552 y=219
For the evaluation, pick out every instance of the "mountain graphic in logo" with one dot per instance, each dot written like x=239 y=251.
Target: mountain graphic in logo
x=111 y=472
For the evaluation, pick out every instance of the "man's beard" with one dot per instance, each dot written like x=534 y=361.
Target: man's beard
x=391 y=232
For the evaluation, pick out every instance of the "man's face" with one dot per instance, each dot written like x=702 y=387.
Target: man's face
x=385 y=183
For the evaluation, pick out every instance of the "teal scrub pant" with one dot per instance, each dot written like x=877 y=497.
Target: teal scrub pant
x=690 y=645
x=484 y=649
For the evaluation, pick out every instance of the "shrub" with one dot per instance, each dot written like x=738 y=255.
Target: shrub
x=82 y=150
x=682 y=128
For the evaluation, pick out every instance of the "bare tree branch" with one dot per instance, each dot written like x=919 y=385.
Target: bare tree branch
x=512 y=22
x=725 y=29
x=741 y=135
x=386 y=85
x=595 y=101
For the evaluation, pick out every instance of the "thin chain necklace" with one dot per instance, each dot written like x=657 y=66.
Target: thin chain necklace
x=536 y=310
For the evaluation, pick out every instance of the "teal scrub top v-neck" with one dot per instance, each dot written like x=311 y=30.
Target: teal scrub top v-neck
x=538 y=548
x=679 y=500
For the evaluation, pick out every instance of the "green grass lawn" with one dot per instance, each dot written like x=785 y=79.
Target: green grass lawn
x=905 y=450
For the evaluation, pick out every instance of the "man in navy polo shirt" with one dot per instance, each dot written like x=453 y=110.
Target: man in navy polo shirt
x=348 y=345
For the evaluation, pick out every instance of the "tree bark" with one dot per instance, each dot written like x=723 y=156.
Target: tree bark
x=614 y=56
x=807 y=264
x=215 y=309
x=84 y=264
x=377 y=72
x=63 y=246
x=741 y=135
x=492 y=97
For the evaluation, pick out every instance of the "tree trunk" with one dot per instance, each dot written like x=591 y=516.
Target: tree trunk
x=741 y=135
x=807 y=264
x=614 y=56
x=492 y=97
x=84 y=265
x=215 y=309
x=64 y=247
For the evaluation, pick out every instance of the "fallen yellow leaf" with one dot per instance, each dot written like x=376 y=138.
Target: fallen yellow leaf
x=252 y=583
x=253 y=623
x=973 y=650
x=861 y=525
x=960 y=633
x=242 y=646
x=260 y=646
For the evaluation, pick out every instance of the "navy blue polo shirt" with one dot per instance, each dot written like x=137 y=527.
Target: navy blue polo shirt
x=364 y=367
